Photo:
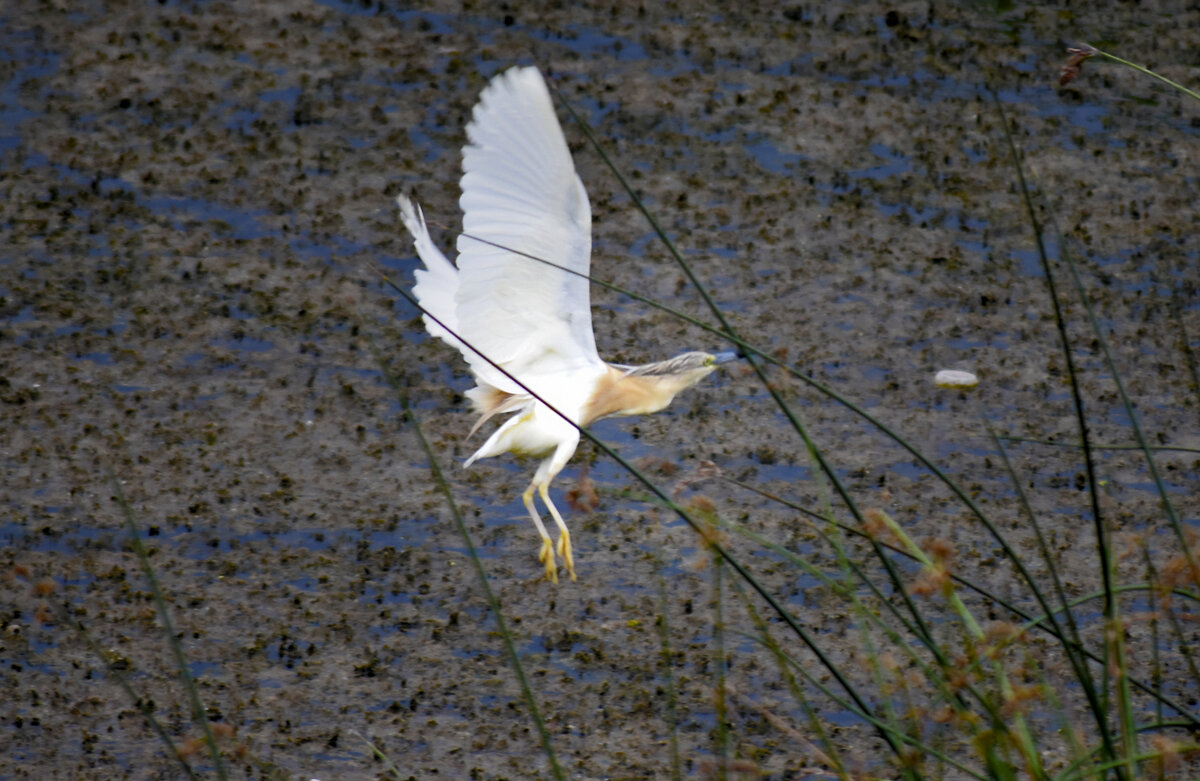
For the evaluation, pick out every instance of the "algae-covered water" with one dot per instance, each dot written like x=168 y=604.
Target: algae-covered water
x=196 y=216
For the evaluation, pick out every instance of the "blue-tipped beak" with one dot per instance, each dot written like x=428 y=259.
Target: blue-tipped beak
x=725 y=357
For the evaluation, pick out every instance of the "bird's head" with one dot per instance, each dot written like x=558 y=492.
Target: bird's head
x=638 y=390
x=683 y=371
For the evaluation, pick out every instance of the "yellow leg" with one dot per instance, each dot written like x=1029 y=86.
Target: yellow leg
x=546 y=554
x=564 y=539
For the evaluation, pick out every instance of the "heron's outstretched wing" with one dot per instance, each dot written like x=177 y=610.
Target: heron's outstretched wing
x=522 y=200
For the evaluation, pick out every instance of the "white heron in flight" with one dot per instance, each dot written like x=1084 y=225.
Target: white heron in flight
x=519 y=296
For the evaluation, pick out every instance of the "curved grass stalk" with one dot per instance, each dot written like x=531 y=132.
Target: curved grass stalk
x=1100 y=446
x=721 y=736
x=199 y=715
x=1075 y=771
x=378 y=754
x=1091 y=51
x=1128 y=588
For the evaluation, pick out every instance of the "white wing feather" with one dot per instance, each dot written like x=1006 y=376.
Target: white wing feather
x=437 y=283
x=521 y=197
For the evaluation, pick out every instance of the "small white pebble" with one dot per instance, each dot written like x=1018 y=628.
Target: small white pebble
x=952 y=378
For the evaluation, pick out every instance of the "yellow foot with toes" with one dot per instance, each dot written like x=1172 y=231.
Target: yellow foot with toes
x=564 y=550
x=546 y=556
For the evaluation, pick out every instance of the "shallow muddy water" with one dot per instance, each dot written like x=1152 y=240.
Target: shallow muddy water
x=197 y=206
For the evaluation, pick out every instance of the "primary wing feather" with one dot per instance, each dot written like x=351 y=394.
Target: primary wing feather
x=523 y=200
x=437 y=284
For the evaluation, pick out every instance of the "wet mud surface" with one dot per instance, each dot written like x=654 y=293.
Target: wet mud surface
x=195 y=208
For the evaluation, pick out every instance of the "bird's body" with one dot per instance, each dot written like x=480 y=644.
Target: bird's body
x=518 y=307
